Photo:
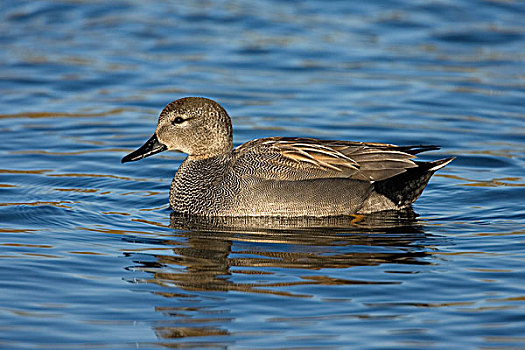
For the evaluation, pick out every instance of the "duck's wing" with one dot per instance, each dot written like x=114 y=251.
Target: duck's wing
x=286 y=158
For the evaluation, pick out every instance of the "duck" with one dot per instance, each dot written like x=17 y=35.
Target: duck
x=280 y=176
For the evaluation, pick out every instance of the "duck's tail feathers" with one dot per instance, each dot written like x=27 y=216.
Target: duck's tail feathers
x=405 y=188
x=438 y=164
x=416 y=149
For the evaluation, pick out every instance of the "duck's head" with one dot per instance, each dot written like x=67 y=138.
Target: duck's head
x=197 y=126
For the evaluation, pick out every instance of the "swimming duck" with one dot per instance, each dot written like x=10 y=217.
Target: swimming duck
x=280 y=176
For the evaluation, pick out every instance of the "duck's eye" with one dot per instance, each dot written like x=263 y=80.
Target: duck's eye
x=178 y=120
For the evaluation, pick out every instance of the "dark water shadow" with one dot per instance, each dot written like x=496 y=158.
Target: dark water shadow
x=276 y=256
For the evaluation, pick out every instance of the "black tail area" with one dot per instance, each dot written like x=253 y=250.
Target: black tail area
x=405 y=188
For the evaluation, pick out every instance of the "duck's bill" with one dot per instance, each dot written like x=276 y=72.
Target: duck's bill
x=151 y=147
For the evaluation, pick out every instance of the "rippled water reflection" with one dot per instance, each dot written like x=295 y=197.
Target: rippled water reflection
x=92 y=256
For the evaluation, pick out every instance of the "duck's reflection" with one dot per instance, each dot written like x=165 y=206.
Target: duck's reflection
x=218 y=248
x=277 y=255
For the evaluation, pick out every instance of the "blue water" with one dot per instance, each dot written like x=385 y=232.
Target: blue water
x=92 y=258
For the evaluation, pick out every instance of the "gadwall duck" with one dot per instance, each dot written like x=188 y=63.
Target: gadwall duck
x=280 y=176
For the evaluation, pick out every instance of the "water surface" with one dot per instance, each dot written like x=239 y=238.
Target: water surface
x=93 y=258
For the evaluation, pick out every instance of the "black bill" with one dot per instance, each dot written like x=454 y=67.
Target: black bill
x=151 y=147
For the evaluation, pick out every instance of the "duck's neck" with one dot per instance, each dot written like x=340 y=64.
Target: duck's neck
x=194 y=181
x=218 y=149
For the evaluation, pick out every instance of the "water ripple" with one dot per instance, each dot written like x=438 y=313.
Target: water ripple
x=90 y=248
